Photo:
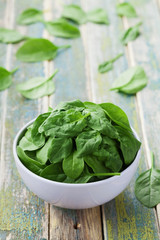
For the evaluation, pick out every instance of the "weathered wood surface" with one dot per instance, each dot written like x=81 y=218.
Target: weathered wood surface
x=23 y=215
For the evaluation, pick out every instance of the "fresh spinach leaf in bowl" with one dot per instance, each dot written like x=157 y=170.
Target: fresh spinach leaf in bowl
x=79 y=142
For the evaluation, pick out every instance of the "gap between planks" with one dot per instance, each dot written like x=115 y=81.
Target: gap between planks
x=157 y=2
x=48 y=70
x=8 y=22
x=139 y=110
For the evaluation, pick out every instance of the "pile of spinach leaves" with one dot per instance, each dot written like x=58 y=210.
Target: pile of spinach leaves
x=79 y=142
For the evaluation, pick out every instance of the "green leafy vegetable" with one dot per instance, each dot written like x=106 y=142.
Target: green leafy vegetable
x=54 y=172
x=128 y=141
x=108 y=65
x=147 y=188
x=126 y=9
x=6 y=78
x=62 y=29
x=10 y=36
x=77 y=14
x=30 y=163
x=73 y=165
x=79 y=142
x=30 y=16
x=74 y=13
x=98 y=16
x=38 y=49
x=27 y=142
x=37 y=87
x=116 y=114
x=87 y=142
x=60 y=148
x=131 y=81
x=130 y=34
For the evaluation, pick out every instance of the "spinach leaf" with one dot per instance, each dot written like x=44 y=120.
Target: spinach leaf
x=75 y=104
x=87 y=142
x=147 y=188
x=126 y=9
x=10 y=36
x=130 y=34
x=6 y=78
x=102 y=123
x=42 y=154
x=64 y=124
x=97 y=166
x=113 y=161
x=73 y=165
x=131 y=81
x=27 y=142
x=37 y=87
x=74 y=13
x=29 y=16
x=54 y=172
x=98 y=16
x=28 y=162
x=84 y=177
x=59 y=149
x=62 y=29
x=38 y=49
x=37 y=137
x=108 y=65
x=116 y=114
x=128 y=141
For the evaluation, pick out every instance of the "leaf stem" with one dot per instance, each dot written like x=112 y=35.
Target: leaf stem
x=65 y=46
x=14 y=70
x=105 y=174
x=152 y=160
x=55 y=72
x=117 y=57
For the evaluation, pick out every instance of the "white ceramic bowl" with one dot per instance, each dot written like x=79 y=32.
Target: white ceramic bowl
x=74 y=196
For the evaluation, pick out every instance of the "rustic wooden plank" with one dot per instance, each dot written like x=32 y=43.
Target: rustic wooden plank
x=71 y=84
x=148 y=98
x=22 y=215
x=123 y=217
x=75 y=224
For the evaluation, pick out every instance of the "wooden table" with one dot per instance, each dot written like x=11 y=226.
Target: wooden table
x=22 y=214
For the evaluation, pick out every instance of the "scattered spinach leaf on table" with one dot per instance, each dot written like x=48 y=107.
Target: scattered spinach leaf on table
x=29 y=16
x=6 y=78
x=130 y=34
x=74 y=13
x=147 y=186
x=38 y=49
x=37 y=87
x=131 y=81
x=72 y=145
x=11 y=36
x=98 y=16
x=126 y=9
x=108 y=65
x=61 y=28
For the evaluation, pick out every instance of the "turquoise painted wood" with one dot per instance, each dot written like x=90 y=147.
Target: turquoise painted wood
x=23 y=215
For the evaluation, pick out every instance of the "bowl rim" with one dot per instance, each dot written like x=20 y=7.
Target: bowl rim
x=73 y=185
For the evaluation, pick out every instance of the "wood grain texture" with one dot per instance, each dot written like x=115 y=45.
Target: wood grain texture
x=22 y=215
x=149 y=98
x=124 y=217
x=71 y=83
